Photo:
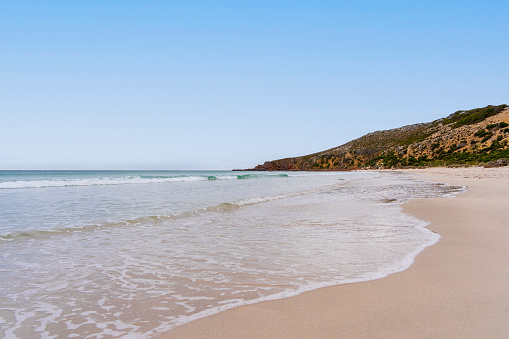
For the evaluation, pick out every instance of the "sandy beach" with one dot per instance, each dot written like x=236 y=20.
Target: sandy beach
x=457 y=288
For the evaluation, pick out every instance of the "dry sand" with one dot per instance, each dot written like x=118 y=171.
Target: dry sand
x=458 y=288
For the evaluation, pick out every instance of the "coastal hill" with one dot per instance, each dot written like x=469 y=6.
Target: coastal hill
x=473 y=137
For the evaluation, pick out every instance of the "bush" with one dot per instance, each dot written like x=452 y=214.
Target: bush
x=494 y=146
x=487 y=137
x=480 y=133
x=503 y=124
x=473 y=116
x=411 y=163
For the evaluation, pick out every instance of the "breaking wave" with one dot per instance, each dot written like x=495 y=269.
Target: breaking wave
x=125 y=180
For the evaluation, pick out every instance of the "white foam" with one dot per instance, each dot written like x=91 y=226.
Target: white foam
x=124 y=180
x=397 y=267
x=257 y=200
x=177 y=270
x=94 y=182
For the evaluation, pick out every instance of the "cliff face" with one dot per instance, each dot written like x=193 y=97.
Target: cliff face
x=463 y=138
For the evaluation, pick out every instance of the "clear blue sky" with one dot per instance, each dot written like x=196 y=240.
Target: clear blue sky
x=230 y=84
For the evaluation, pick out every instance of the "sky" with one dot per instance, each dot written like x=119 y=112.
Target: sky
x=178 y=85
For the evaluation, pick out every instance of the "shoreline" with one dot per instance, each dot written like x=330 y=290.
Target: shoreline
x=455 y=288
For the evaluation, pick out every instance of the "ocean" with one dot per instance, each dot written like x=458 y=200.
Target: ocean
x=107 y=254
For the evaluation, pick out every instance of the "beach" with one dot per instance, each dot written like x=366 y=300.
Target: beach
x=138 y=253
x=208 y=254
x=457 y=288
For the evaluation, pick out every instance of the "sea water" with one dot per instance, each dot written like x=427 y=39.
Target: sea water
x=106 y=254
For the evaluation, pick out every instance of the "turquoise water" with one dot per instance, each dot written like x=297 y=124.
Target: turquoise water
x=55 y=200
x=135 y=253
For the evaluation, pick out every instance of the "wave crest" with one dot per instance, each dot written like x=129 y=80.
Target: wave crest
x=140 y=179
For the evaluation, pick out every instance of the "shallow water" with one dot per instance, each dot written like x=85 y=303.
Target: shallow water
x=112 y=254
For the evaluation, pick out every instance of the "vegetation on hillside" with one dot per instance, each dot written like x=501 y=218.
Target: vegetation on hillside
x=469 y=137
x=461 y=118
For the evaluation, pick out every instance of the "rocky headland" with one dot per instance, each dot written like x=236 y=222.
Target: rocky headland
x=478 y=136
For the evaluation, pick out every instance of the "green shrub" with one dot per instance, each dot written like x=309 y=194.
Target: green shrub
x=487 y=137
x=495 y=145
x=473 y=116
x=503 y=124
x=480 y=133
x=491 y=126
x=412 y=161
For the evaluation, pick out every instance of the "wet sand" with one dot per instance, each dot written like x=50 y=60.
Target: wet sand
x=457 y=288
